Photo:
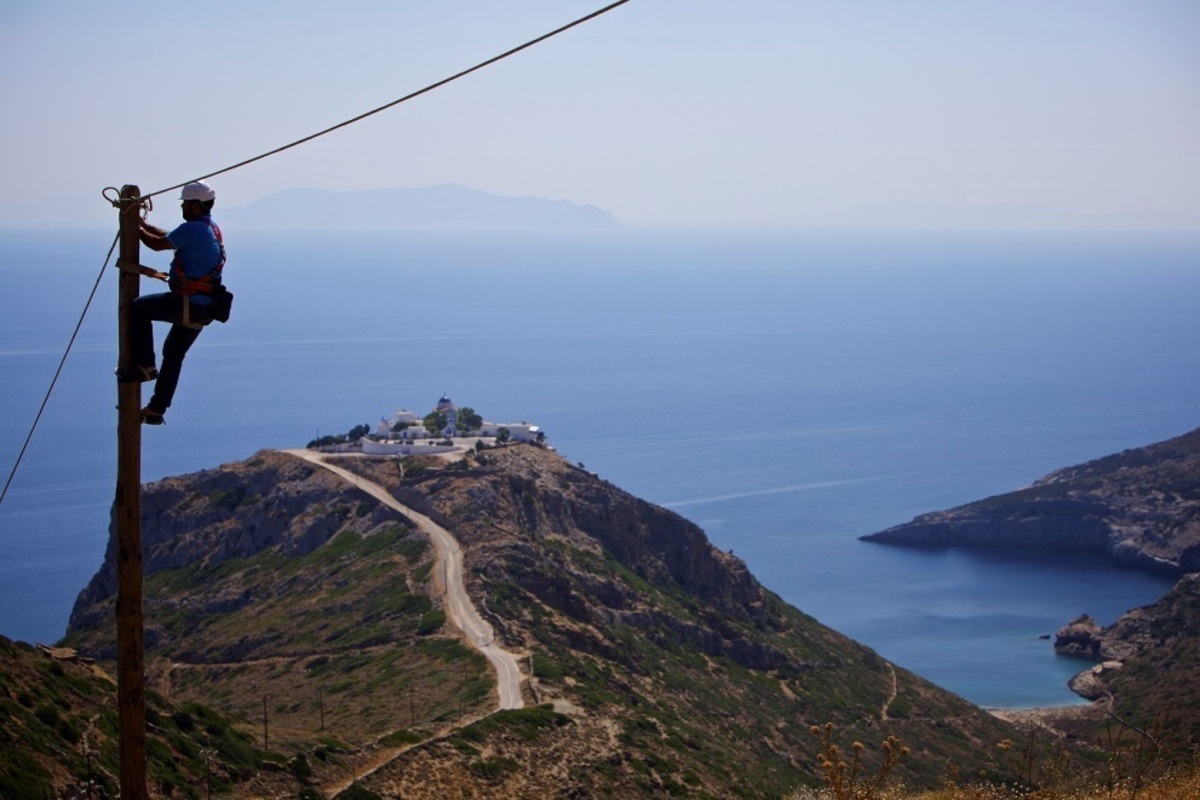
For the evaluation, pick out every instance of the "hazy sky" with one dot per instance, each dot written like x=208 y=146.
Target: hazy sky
x=957 y=113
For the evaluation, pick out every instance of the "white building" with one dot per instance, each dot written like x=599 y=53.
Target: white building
x=404 y=424
x=375 y=447
x=397 y=435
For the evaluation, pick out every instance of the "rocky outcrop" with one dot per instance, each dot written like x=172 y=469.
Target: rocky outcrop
x=1135 y=632
x=1140 y=508
x=1091 y=682
x=1081 y=638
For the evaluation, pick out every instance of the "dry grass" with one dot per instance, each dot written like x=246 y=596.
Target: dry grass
x=1182 y=786
x=1136 y=769
x=849 y=779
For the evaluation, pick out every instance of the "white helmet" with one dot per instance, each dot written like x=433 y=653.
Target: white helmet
x=198 y=190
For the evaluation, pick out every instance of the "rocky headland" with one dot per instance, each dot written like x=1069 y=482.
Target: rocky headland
x=1140 y=508
x=653 y=663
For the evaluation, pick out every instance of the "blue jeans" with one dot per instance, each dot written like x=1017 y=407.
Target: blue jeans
x=165 y=307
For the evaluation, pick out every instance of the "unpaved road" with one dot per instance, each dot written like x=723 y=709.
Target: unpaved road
x=449 y=569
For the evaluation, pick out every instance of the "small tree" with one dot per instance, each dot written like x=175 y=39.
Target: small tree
x=326 y=441
x=357 y=432
x=503 y=435
x=435 y=421
x=468 y=420
x=400 y=426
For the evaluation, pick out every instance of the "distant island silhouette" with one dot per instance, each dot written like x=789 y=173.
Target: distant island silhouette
x=444 y=206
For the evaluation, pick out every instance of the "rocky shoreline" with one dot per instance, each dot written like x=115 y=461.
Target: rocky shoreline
x=1056 y=719
x=1143 y=657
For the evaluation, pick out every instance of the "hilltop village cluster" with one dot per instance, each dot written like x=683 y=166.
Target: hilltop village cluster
x=448 y=428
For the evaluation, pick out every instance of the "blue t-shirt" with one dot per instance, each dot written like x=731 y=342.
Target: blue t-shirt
x=197 y=251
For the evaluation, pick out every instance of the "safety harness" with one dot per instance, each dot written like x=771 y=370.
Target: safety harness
x=181 y=284
x=184 y=286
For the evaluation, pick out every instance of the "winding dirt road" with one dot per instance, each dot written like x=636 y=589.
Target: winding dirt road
x=449 y=571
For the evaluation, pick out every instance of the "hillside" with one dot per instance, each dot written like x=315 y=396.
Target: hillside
x=652 y=662
x=1140 y=507
x=58 y=731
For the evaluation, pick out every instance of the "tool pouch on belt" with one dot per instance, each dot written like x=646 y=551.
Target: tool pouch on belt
x=222 y=303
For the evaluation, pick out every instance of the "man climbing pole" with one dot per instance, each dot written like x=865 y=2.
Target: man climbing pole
x=197 y=296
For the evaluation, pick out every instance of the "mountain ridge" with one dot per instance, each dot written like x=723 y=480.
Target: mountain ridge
x=443 y=206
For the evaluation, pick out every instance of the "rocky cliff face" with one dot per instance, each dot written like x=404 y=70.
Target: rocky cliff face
x=1140 y=507
x=551 y=501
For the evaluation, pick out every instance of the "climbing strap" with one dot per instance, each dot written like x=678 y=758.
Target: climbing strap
x=186 y=321
x=150 y=272
x=141 y=269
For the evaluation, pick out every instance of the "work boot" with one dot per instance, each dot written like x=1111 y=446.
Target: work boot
x=152 y=416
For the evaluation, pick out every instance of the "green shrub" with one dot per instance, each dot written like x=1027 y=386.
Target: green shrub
x=431 y=622
x=356 y=792
x=492 y=768
x=398 y=738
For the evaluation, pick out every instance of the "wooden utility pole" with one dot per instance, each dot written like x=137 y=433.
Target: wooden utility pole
x=127 y=512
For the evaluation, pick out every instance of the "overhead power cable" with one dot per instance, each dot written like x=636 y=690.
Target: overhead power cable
x=403 y=99
x=309 y=138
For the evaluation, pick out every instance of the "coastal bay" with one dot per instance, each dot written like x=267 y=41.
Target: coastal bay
x=788 y=391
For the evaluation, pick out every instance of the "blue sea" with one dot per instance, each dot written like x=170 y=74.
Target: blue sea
x=789 y=391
